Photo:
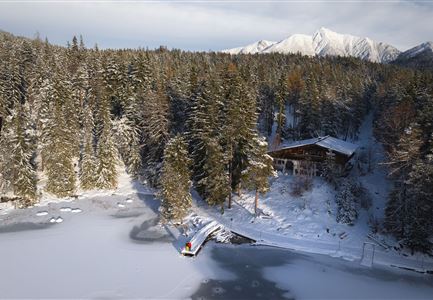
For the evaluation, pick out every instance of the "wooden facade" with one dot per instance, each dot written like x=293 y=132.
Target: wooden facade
x=307 y=157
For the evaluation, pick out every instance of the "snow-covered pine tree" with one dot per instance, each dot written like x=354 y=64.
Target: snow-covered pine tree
x=329 y=117
x=156 y=131
x=60 y=146
x=3 y=107
x=88 y=165
x=6 y=163
x=45 y=97
x=115 y=80
x=295 y=86
x=107 y=158
x=5 y=119
x=419 y=198
x=259 y=169
x=401 y=159
x=232 y=116
x=331 y=171
x=209 y=161
x=17 y=136
x=347 y=212
x=22 y=154
x=215 y=177
x=128 y=143
x=175 y=180
x=145 y=69
x=238 y=118
x=127 y=127
x=281 y=98
x=200 y=130
x=309 y=124
x=247 y=133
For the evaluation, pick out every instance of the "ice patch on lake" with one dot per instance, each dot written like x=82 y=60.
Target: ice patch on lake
x=42 y=213
x=56 y=220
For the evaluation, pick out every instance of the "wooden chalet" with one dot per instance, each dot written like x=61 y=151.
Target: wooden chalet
x=306 y=157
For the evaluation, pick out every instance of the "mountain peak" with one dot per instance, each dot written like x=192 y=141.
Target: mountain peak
x=419 y=57
x=325 y=30
x=253 y=48
x=324 y=42
x=426 y=47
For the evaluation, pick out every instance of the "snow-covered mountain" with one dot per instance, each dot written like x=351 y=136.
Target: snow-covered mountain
x=253 y=48
x=326 y=42
x=420 y=57
x=426 y=47
x=296 y=43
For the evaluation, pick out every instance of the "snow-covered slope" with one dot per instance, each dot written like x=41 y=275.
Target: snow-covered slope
x=326 y=42
x=415 y=51
x=420 y=57
x=297 y=43
x=253 y=48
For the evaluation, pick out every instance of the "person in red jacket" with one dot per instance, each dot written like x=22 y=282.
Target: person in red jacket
x=188 y=246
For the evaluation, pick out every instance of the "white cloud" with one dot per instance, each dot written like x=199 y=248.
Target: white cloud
x=216 y=25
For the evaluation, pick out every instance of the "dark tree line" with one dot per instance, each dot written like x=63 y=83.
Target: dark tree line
x=404 y=124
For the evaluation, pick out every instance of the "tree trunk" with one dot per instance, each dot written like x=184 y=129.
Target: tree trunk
x=256 y=202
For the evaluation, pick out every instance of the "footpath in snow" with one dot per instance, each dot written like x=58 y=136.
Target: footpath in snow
x=267 y=236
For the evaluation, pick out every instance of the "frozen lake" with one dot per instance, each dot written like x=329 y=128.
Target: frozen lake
x=124 y=253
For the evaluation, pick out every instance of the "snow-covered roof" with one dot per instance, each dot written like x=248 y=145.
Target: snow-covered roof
x=327 y=142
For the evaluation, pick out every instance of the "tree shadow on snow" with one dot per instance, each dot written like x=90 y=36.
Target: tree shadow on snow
x=150 y=201
x=150 y=231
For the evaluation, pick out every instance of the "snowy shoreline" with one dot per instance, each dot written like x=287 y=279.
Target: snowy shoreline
x=107 y=250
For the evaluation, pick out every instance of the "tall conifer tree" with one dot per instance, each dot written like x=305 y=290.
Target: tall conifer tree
x=175 y=180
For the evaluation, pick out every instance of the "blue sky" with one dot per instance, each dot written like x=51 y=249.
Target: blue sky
x=214 y=25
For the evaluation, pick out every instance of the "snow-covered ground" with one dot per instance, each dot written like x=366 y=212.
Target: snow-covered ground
x=308 y=222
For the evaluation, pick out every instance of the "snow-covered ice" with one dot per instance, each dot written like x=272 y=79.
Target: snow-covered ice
x=319 y=277
x=96 y=255
x=92 y=255
x=100 y=253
